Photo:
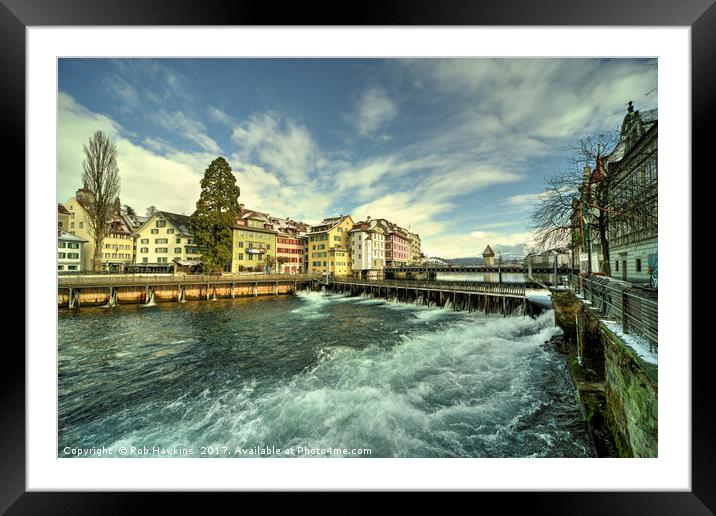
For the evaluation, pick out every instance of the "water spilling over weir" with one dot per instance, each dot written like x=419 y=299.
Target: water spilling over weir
x=317 y=369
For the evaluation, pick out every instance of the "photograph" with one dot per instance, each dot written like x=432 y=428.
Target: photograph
x=357 y=257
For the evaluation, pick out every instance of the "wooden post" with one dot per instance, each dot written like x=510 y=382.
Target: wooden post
x=625 y=316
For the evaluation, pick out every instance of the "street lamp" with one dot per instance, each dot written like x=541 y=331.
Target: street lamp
x=499 y=265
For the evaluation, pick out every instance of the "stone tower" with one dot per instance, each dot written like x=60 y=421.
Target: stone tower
x=489 y=256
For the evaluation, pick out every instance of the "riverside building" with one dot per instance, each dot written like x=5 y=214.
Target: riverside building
x=69 y=251
x=416 y=255
x=117 y=247
x=290 y=245
x=633 y=198
x=397 y=244
x=164 y=240
x=367 y=250
x=329 y=246
x=254 y=242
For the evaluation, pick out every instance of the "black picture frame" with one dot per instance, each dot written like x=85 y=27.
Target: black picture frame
x=700 y=15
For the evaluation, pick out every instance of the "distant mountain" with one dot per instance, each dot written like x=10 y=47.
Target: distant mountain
x=475 y=260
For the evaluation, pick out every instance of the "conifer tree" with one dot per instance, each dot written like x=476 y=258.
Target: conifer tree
x=216 y=211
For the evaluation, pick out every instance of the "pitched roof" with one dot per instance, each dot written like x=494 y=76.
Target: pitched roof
x=327 y=224
x=61 y=209
x=488 y=251
x=64 y=235
x=180 y=222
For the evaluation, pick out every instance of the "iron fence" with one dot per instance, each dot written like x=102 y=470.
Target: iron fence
x=635 y=307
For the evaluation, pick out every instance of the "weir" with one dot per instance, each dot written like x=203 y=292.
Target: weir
x=111 y=290
x=500 y=298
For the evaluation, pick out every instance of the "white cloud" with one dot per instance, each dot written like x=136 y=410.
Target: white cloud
x=217 y=115
x=375 y=110
x=283 y=146
x=146 y=177
x=190 y=129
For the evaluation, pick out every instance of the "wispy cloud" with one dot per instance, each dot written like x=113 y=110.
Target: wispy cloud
x=374 y=111
x=190 y=129
x=280 y=144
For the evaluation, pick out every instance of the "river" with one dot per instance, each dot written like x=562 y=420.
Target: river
x=315 y=371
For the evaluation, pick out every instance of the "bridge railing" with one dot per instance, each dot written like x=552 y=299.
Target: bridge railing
x=185 y=279
x=513 y=289
x=635 y=307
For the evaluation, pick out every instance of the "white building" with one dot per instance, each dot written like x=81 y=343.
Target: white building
x=367 y=241
x=69 y=251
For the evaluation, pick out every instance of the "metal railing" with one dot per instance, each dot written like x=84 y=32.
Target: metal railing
x=505 y=289
x=635 y=307
x=173 y=279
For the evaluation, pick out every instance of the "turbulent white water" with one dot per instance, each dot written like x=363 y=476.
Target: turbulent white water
x=398 y=379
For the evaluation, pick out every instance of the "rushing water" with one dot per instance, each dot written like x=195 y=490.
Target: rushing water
x=315 y=371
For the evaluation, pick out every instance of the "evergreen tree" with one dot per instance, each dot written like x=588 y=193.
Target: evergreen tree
x=216 y=211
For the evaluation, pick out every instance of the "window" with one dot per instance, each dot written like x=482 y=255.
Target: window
x=178 y=240
x=161 y=223
x=72 y=224
x=268 y=246
x=72 y=267
x=63 y=245
x=190 y=241
x=73 y=245
x=177 y=250
x=61 y=255
x=145 y=241
x=73 y=256
x=161 y=250
x=241 y=256
x=162 y=259
x=82 y=224
x=170 y=231
x=617 y=262
x=161 y=241
x=145 y=260
x=60 y=267
x=241 y=244
x=155 y=231
x=638 y=265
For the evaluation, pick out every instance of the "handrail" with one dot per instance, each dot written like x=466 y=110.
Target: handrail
x=113 y=280
x=471 y=286
x=621 y=301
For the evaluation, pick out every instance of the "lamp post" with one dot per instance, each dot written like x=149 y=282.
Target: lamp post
x=499 y=266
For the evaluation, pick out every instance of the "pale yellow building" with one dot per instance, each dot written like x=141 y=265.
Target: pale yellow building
x=164 y=238
x=117 y=247
x=254 y=239
x=63 y=217
x=329 y=246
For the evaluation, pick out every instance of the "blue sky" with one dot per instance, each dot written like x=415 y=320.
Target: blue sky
x=455 y=149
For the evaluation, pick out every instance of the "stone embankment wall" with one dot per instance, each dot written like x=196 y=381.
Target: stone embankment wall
x=613 y=383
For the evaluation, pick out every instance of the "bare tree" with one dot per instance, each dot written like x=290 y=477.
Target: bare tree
x=575 y=200
x=101 y=177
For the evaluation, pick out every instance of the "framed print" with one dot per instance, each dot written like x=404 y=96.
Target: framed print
x=419 y=253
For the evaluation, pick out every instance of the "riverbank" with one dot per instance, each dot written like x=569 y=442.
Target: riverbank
x=616 y=380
